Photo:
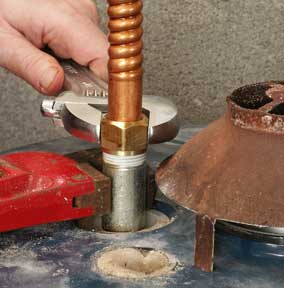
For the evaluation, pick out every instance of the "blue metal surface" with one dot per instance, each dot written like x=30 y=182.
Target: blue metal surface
x=61 y=255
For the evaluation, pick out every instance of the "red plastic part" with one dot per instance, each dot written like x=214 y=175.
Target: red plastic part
x=38 y=188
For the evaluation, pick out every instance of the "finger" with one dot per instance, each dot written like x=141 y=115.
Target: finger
x=82 y=40
x=99 y=67
x=67 y=31
x=26 y=61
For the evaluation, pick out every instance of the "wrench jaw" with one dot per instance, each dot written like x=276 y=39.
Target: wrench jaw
x=80 y=116
x=164 y=132
x=79 y=128
x=164 y=122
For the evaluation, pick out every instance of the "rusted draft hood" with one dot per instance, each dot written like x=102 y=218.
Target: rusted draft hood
x=234 y=169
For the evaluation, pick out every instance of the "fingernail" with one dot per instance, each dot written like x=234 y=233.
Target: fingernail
x=48 y=78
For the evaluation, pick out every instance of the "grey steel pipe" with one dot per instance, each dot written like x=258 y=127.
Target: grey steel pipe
x=128 y=198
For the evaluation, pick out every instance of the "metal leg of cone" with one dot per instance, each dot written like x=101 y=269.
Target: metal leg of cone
x=204 y=243
x=128 y=196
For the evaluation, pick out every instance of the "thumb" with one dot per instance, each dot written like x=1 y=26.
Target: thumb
x=99 y=68
x=39 y=69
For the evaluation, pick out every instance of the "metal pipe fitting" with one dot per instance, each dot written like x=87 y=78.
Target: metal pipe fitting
x=129 y=186
x=124 y=138
x=124 y=160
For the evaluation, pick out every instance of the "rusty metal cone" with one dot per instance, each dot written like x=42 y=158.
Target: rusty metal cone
x=234 y=169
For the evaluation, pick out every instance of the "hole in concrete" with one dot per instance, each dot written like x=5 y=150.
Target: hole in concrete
x=156 y=219
x=160 y=216
x=278 y=110
x=135 y=263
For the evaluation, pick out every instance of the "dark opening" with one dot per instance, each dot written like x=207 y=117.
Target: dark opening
x=253 y=96
x=278 y=110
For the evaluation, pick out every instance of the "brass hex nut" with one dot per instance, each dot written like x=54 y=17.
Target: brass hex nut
x=124 y=138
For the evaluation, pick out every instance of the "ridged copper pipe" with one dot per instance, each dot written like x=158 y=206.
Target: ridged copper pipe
x=125 y=64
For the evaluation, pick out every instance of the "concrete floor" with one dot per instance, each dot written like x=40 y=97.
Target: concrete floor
x=196 y=53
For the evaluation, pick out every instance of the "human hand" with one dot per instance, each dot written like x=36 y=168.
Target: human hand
x=68 y=27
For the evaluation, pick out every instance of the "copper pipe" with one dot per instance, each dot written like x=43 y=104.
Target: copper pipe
x=125 y=64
